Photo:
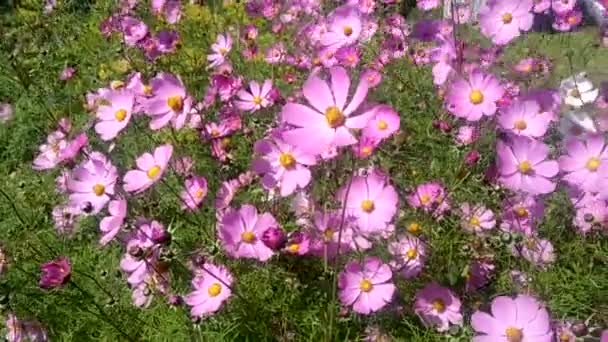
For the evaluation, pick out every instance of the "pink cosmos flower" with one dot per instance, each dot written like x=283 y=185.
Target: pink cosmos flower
x=73 y=147
x=65 y=218
x=536 y=250
x=409 y=255
x=541 y=6
x=524 y=118
x=366 y=286
x=590 y=216
x=384 y=123
x=344 y=27
x=241 y=233
x=329 y=123
x=299 y=243
x=568 y=20
x=150 y=168
x=110 y=225
x=67 y=73
x=467 y=135
x=372 y=76
x=169 y=102
x=256 y=99
x=114 y=116
x=348 y=56
x=220 y=50
x=92 y=182
x=474 y=97
x=476 y=219
x=521 y=213
x=141 y=262
x=170 y=8
x=503 y=20
x=431 y=197
x=211 y=288
x=49 y=153
x=371 y=200
x=427 y=5
x=327 y=231
x=523 y=166
x=6 y=112
x=366 y=146
x=520 y=319
x=438 y=307
x=282 y=165
x=195 y=192
x=275 y=54
x=133 y=30
x=563 y=6
x=55 y=273
x=226 y=193
x=584 y=164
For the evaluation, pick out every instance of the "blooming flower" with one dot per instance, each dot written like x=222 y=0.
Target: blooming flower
x=371 y=200
x=344 y=27
x=92 y=182
x=327 y=232
x=523 y=166
x=211 y=288
x=114 y=116
x=503 y=20
x=150 y=168
x=366 y=286
x=220 y=50
x=65 y=218
x=49 y=156
x=256 y=99
x=298 y=243
x=520 y=319
x=110 y=225
x=384 y=123
x=590 y=215
x=170 y=8
x=409 y=255
x=467 y=135
x=195 y=192
x=583 y=163
x=521 y=213
x=55 y=273
x=169 y=102
x=438 y=307
x=143 y=250
x=241 y=233
x=524 y=118
x=474 y=97
x=431 y=197
x=476 y=219
x=535 y=250
x=133 y=30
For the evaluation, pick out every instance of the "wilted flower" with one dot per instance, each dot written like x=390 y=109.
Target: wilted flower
x=55 y=273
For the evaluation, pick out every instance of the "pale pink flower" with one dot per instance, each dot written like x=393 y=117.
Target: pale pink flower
x=150 y=168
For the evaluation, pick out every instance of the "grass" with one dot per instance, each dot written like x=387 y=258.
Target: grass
x=288 y=298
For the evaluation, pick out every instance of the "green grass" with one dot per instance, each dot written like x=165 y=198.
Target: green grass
x=288 y=298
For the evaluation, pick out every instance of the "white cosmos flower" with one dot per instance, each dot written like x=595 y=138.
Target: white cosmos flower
x=577 y=123
x=578 y=91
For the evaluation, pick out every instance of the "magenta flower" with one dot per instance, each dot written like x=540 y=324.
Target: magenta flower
x=430 y=197
x=479 y=274
x=503 y=20
x=562 y=7
x=92 y=182
x=520 y=319
x=476 y=219
x=257 y=97
x=169 y=103
x=384 y=123
x=150 y=169
x=348 y=56
x=366 y=286
x=133 y=30
x=438 y=307
x=240 y=232
x=371 y=200
x=584 y=163
x=274 y=238
x=282 y=165
x=521 y=213
x=427 y=5
x=541 y=6
x=568 y=20
x=329 y=123
x=114 y=117
x=73 y=147
x=524 y=118
x=523 y=166
x=55 y=273
x=275 y=54
x=298 y=243
x=327 y=231
x=365 y=147
x=409 y=255
x=344 y=28
x=220 y=50
x=211 y=288
x=195 y=192
x=170 y=8
x=474 y=97
x=110 y=225
x=373 y=77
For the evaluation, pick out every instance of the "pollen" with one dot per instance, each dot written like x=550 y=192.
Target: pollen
x=438 y=305
x=425 y=199
x=348 y=30
x=412 y=253
x=593 y=164
x=328 y=234
x=99 y=189
x=153 y=172
x=367 y=206
x=120 y=115
x=176 y=103
x=334 y=117
x=223 y=51
x=520 y=125
x=214 y=290
x=287 y=160
x=366 y=151
x=215 y=133
x=414 y=228
x=147 y=90
x=382 y=125
x=294 y=248
x=474 y=221
x=257 y=100
x=476 y=97
x=507 y=18
x=366 y=285
x=521 y=212
x=225 y=142
x=248 y=237
x=514 y=335
x=525 y=167
x=199 y=193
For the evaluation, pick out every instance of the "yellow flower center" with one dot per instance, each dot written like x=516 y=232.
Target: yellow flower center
x=120 y=115
x=564 y=337
x=476 y=97
x=514 y=335
x=214 y=290
x=520 y=125
x=572 y=20
x=367 y=206
x=438 y=305
x=153 y=171
x=294 y=248
x=287 y=160
x=575 y=93
x=366 y=151
x=117 y=84
x=147 y=90
x=99 y=189
x=593 y=164
x=328 y=234
x=248 y=237
x=347 y=30
x=382 y=125
x=525 y=167
x=334 y=117
x=366 y=285
x=215 y=133
x=225 y=142
x=257 y=100
x=474 y=221
x=414 y=228
x=176 y=103
x=521 y=212
x=199 y=193
x=507 y=18
x=223 y=51
x=425 y=199
x=412 y=253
